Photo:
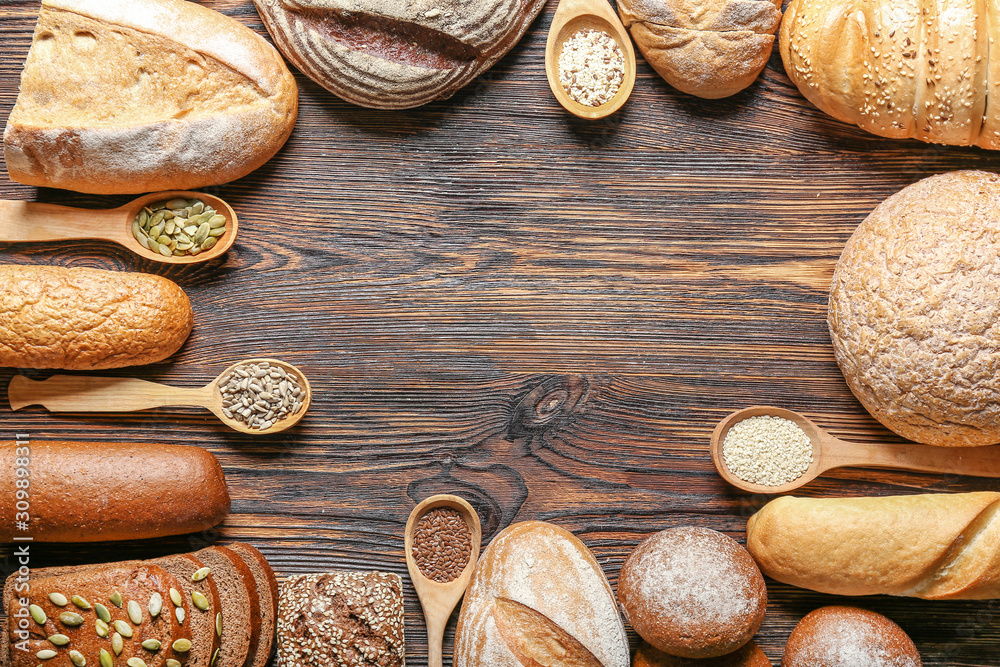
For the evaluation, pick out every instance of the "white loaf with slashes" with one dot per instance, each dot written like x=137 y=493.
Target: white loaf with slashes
x=568 y=599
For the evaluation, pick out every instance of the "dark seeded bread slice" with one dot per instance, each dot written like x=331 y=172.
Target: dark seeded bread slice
x=204 y=641
x=267 y=593
x=240 y=606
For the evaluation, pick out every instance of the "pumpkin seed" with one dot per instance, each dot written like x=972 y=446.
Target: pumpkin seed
x=218 y=624
x=201 y=233
x=71 y=619
x=175 y=597
x=175 y=203
x=58 y=599
x=134 y=612
x=37 y=614
x=155 y=247
x=102 y=612
x=169 y=224
x=157 y=218
x=200 y=574
x=135 y=662
x=173 y=663
x=80 y=602
x=106 y=659
x=116 y=599
x=168 y=215
x=217 y=221
x=165 y=250
x=209 y=243
x=179 y=613
x=184 y=245
x=77 y=658
x=155 y=605
x=59 y=640
x=214 y=657
x=117 y=644
x=163 y=239
x=151 y=645
x=123 y=628
x=45 y=654
x=102 y=628
x=200 y=600
x=181 y=645
x=217 y=232
x=169 y=228
x=196 y=207
x=143 y=216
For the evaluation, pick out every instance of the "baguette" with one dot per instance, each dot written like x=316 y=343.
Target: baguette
x=198 y=98
x=88 y=319
x=931 y=546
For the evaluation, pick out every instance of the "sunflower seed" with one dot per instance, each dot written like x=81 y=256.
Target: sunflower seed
x=106 y=659
x=218 y=624
x=155 y=605
x=123 y=628
x=200 y=600
x=117 y=643
x=59 y=640
x=151 y=645
x=135 y=662
x=45 y=654
x=58 y=599
x=200 y=574
x=179 y=613
x=37 y=614
x=71 y=619
x=134 y=612
x=77 y=658
x=80 y=602
x=101 y=627
x=181 y=645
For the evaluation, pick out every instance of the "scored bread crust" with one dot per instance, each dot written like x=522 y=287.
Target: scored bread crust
x=225 y=105
x=914 y=313
x=931 y=546
x=386 y=54
x=547 y=569
x=88 y=319
x=898 y=68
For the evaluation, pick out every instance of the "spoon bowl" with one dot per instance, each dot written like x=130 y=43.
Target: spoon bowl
x=22 y=221
x=574 y=15
x=438 y=599
x=81 y=393
x=829 y=452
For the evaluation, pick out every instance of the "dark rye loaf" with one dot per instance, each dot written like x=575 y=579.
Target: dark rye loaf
x=267 y=594
x=238 y=593
x=205 y=641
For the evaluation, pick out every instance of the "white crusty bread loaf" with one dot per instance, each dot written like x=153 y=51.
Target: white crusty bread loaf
x=899 y=68
x=932 y=546
x=127 y=96
x=546 y=569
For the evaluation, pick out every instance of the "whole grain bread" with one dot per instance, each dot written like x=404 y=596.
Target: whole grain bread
x=239 y=605
x=267 y=595
x=388 y=54
x=913 y=310
x=199 y=98
x=88 y=319
x=206 y=641
x=143 y=490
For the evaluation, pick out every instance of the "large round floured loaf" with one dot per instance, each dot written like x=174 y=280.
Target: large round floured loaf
x=914 y=310
x=546 y=569
x=390 y=54
x=127 y=96
x=839 y=636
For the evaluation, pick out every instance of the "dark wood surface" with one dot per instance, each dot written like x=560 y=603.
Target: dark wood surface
x=542 y=314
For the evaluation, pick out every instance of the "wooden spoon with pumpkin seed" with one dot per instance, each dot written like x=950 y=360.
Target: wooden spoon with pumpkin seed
x=257 y=396
x=188 y=222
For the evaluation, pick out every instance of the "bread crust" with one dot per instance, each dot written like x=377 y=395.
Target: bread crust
x=826 y=635
x=88 y=319
x=748 y=656
x=143 y=490
x=207 y=102
x=931 y=546
x=547 y=569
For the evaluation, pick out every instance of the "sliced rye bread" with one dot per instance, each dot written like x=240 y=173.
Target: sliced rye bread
x=134 y=581
x=204 y=640
x=267 y=593
x=240 y=616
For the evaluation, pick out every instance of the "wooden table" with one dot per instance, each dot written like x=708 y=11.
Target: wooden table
x=542 y=314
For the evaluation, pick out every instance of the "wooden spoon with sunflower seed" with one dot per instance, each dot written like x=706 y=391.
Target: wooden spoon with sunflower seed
x=171 y=227
x=257 y=396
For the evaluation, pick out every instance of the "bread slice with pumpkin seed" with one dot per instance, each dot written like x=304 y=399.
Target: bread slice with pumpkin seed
x=239 y=615
x=267 y=593
x=197 y=601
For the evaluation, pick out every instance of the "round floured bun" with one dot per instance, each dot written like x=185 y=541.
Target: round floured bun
x=849 y=637
x=914 y=310
x=692 y=592
x=748 y=656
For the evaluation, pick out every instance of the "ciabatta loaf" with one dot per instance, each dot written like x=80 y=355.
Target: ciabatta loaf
x=932 y=546
x=127 y=96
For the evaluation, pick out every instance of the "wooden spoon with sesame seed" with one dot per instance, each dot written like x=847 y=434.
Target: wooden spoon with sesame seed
x=829 y=452
x=571 y=17
x=438 y=599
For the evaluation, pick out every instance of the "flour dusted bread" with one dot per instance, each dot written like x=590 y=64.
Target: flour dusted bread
x=914 y=306
x=88 y=319
x=922 y=69
x=838 y=636
x=128 y=96
x=931 y=546
x=391 y=54
x=537 y=580
x=748 y=656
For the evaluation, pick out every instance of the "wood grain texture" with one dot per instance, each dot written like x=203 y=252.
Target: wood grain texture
x=544 y=315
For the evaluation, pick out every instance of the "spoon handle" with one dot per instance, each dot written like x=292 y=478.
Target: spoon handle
x=31 y=221
x=70 y=393
x=975 y=461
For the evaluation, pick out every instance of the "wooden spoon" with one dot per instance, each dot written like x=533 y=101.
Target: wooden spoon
x=574 y=15
x=80 y=393
x=438 y=600
x=830 y=452
x=31 y=221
